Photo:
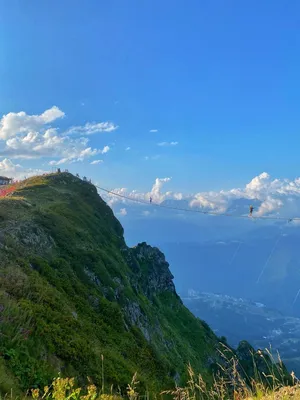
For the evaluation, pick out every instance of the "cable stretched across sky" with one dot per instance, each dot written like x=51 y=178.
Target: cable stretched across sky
x=197 y=211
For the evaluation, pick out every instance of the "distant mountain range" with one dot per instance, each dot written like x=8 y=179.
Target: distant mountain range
x=262 y=265
x=239 y=258
x=263 y=327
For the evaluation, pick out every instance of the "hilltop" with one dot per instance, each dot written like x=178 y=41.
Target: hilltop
x=74 y=297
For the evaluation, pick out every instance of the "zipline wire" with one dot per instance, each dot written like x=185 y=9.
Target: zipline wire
x=196 y=211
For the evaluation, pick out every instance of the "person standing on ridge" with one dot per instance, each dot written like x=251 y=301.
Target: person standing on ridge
x=251 y=208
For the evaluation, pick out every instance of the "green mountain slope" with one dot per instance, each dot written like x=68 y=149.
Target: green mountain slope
x=73 y=296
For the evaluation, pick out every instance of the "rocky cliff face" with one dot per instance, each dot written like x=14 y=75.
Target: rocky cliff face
x=153 y=274
x=71 y=291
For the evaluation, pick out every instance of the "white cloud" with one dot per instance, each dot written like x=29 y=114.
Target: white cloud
x=86 y=153
x=123 y=211
x=96 y=162
x=165 y=144
x=279 y=197
x=16 y=171
x=156 y=188
x=13 y=124
x=30 y=136
x=128 y=148
x=271 y=196
x=68 y=150
x=50 y=115
x=153 y=130
x=105 y=149
x=209 y=202
x=155 y=157
x=146 y=213
x=7 y=166
x=269 y=205
x=156 y=193
x=91 y=128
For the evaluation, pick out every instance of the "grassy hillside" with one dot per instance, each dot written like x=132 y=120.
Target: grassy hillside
x=74 y=297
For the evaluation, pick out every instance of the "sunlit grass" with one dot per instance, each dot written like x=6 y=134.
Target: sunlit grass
x=230 y=382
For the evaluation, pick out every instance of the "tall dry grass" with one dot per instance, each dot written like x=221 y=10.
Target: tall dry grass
x=231 y=382
x=269 y=381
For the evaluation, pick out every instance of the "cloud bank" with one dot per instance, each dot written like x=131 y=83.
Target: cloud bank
x=276 y=197
x=24 y=136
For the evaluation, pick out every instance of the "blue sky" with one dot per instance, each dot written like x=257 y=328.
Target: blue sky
x=220 y=78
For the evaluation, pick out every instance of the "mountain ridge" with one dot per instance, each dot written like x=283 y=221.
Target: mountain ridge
x=72 y=292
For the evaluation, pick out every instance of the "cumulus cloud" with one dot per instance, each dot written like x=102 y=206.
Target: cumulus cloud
x=209 y=202
x=156 y=188
x=29 y=136
x=156 y=193
x=167 y=144
x=8 y=165
x=13 y=124
x=16 y=171
x=273 y=197
x=69 y=150
x=269 y=205
x=105 y=149
x=96 y=162
x=153 y=130
x=258 y=182
x=123 y=212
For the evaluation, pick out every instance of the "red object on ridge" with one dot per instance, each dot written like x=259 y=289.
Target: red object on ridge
x=7 y=190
